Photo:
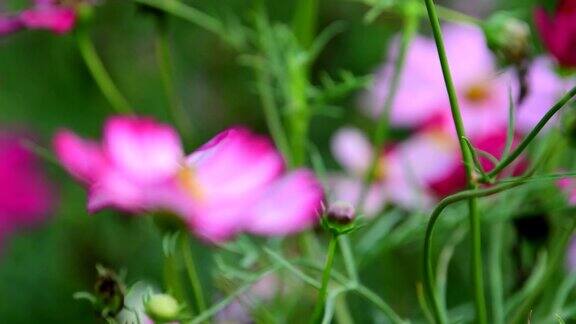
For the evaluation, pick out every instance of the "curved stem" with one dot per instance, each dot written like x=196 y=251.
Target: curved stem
x=164 y=59
x=192 y=274
x=475 y=226
x=99 y=73
x=532 y=135
x=430 y=286
x=321 y=303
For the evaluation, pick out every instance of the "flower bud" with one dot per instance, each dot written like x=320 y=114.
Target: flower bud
x=162 y=308
x=508 y=37
x=341 y=212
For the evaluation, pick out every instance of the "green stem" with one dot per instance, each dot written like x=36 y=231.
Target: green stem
x=382 y=128
x=192 y=274
x=475 y=225
x=164 y=59
x=271 y=114
x=298 y=109
x=429 y=281
x=172 y=278
x=181 y=10
x=99 y=73
x=533 y=133
x=456 y=16
x=321 y=303
x=556 y=257
x=304 y=23
x=378 y=302
x=495 y=277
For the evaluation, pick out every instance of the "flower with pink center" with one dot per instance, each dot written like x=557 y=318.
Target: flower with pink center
x=482 y=91
x=558 y=31
x=236 y=182
x=45 y=14
x=26 y=197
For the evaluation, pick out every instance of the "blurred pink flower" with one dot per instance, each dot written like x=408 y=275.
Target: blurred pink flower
x=397 y=179
x=26 y=197
x=411 y=174
x=558 y=31
x=482 y=91
x=568 y=186
x=130 y=170
x=235 y=182
x=45 y=14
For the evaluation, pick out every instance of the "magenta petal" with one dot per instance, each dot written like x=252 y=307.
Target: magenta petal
x=9 y=25
x=56 y=19
x=237 y=163
x=143 y=149
x=291 y=204
x=82 y=158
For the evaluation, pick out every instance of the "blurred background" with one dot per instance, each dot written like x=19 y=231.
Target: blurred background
x=44 y=86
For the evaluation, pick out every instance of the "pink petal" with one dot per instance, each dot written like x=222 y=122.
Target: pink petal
x=143 y=149
x=352 y=150
x=236 y=163
x=9 y=25
x=349 y=189
x=59 y=20
x=291 y=204
x=82 y=158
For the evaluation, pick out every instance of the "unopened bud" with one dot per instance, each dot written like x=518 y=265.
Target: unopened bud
x=162 y=308
x=508 y=37
x=341 y=212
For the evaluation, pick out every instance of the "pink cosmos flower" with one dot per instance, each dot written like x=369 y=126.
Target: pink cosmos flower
x=411 y=174
x=235 y=182
x=26 y=198
x=559 y=31
x=482 y=90
x=45 y=14
x=397 y=181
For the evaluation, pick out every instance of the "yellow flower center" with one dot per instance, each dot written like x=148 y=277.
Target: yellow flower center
x=477 y=92
x=188 y=180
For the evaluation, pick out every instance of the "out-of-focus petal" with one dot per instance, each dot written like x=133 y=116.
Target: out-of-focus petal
x=235 y=163
x=57 y=19
x=545 y=88
x=145 y=150
x=345 y=188
x=291 y=204
x=82 y=158
x=9 y=25
x=352 y=150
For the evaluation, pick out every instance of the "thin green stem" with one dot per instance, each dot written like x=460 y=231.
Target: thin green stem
x=164 y=59
x=172 y=278
x=408 y=31
x=533 y=133
x=556 y=257
x=272 y=115
x=429 y=281
x=495 y=273
x=456 y=16
x=321 y=302
x=378 y=302
x=475 y=225
x=99 y=73
x=181 y=10
x=192 y=274
x=304 y=21
x=348 y=258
